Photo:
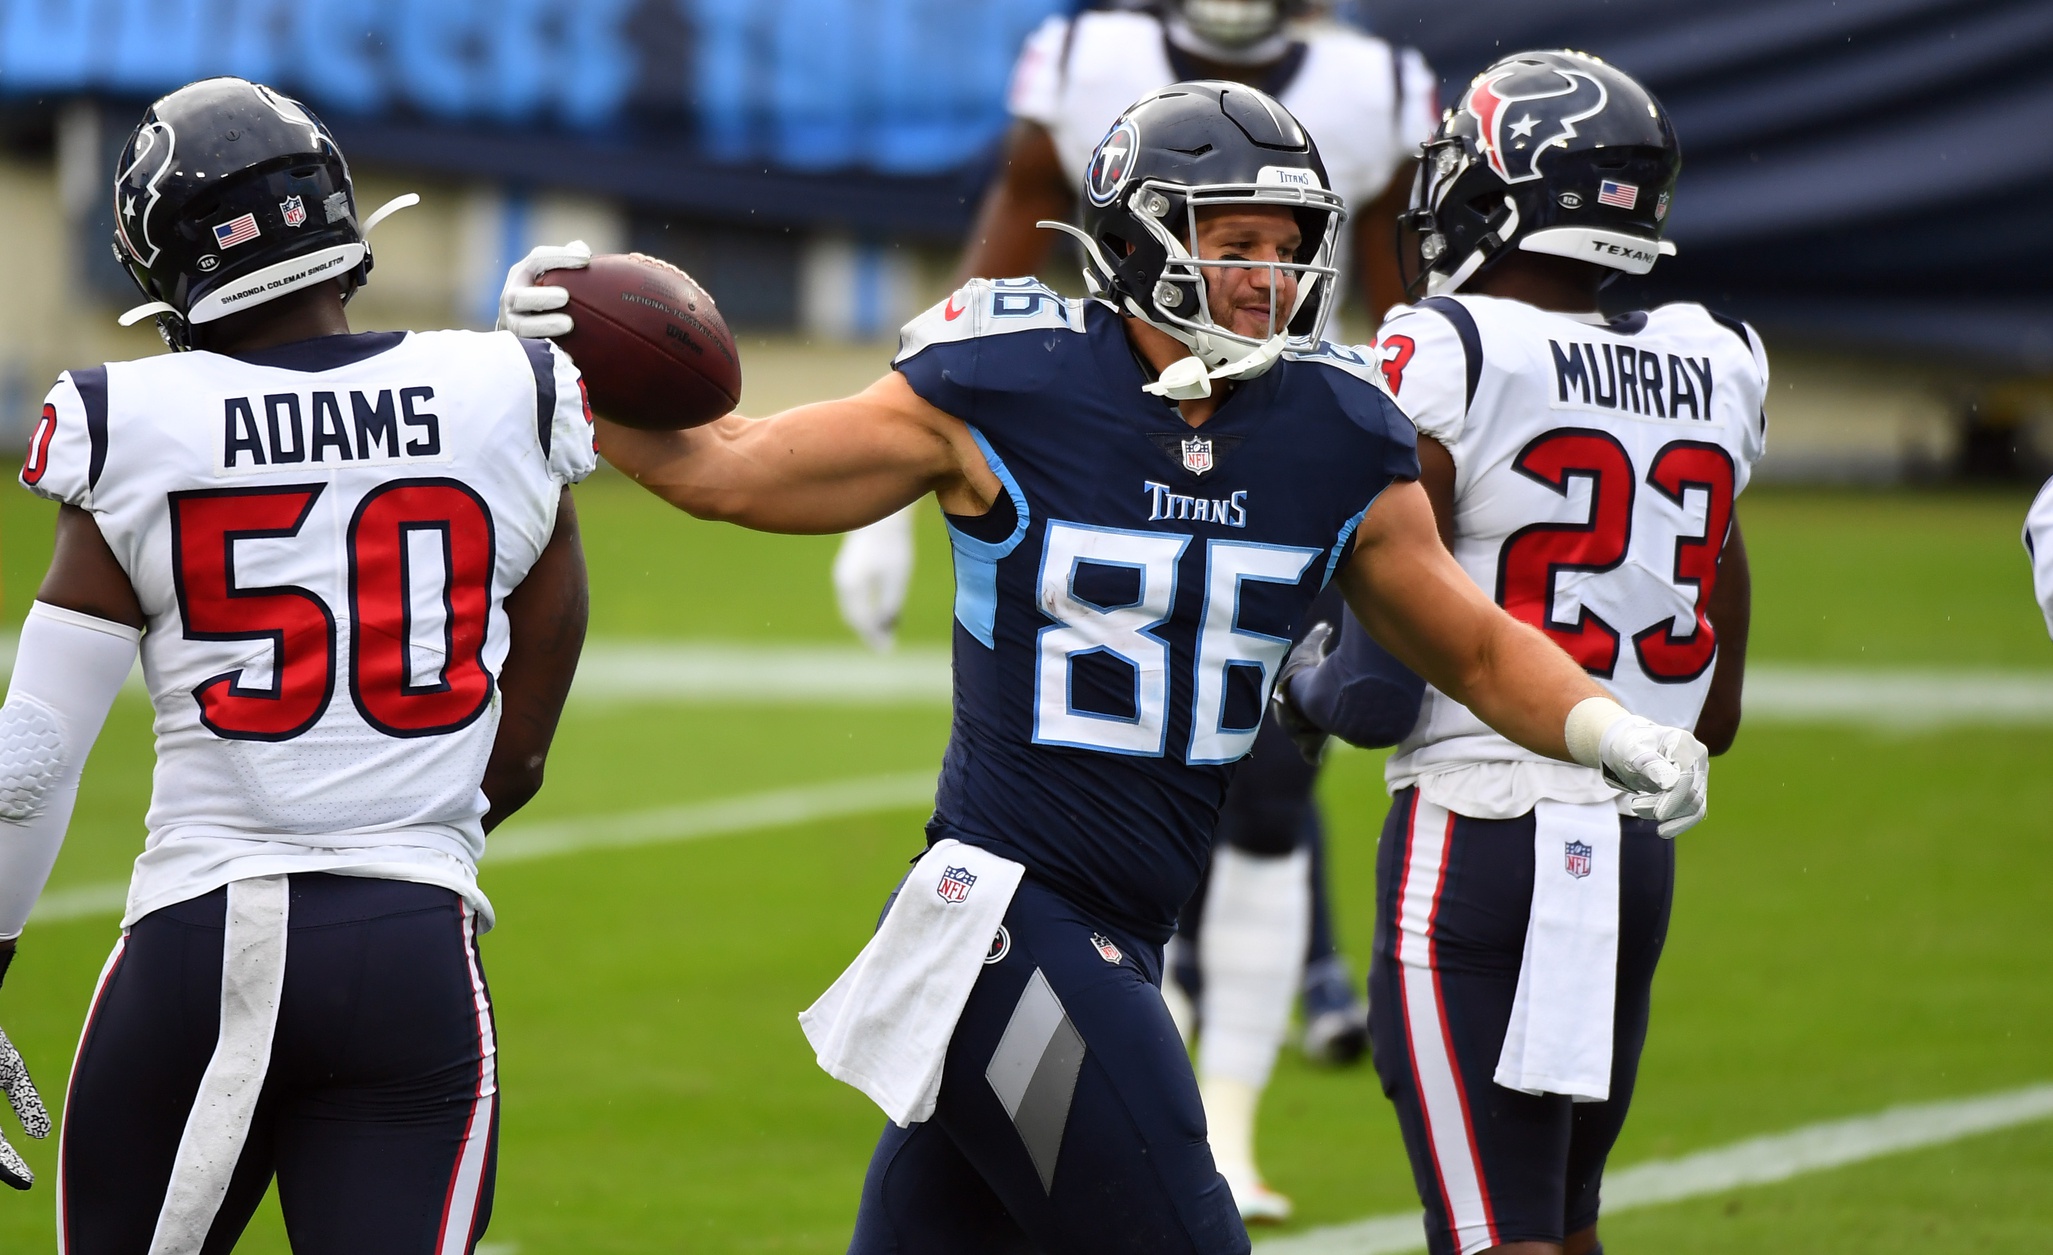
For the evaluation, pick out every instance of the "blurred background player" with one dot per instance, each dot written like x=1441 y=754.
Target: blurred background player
x=1583 y=468
x=354 y=570
x=1156 y=471
x=2038 y=545
x=1265 y=920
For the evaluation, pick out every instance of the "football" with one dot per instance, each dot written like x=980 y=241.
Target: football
x=651 y=344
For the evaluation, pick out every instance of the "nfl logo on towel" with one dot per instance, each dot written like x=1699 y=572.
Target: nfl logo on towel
x=1577 y=857
x=955 y=883
x=1197 y=455
x=295 y=211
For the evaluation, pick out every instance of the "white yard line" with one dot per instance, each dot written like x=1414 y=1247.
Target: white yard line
x=1755 y=1161
x=618 y=672
x=692 y=821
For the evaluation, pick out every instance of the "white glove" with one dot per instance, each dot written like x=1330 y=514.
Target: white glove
x=1667 y=770
x=871 y=574
x=28 y=1105
x=525 y=307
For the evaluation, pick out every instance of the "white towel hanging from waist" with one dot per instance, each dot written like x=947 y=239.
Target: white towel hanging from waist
x=1559 y=1039
x=884 y=1025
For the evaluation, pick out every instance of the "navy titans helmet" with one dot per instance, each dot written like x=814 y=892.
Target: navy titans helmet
x=1182 y=149
x=1548 y=152
x=229 y=195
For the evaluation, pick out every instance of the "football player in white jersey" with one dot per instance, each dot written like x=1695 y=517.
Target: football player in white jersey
x=2038 y=545
x=1266 y=912
x=1582 y=470
x=353 y=569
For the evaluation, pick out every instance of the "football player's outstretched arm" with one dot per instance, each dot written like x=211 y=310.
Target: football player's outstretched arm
x=826 y=467
x=1417 y=601
x=547 y=614
x=1407 y=589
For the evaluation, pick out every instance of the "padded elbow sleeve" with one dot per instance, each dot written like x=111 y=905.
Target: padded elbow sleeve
x=67 y=672
x=32 y=757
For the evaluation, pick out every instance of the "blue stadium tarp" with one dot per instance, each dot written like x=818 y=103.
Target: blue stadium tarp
x=1871 y=170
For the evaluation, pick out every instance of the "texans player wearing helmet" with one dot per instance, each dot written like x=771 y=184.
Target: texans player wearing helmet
x=1582 y=469
x=1260 y=924
x=1145 y=491
x=352 y=568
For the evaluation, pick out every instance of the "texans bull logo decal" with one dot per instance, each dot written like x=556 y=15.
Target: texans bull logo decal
x=1526 y=108
x=1113 y=162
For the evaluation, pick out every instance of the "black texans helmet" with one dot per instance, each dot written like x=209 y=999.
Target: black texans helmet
x=229 y=195
x=1182 y=149
x=1550 y=152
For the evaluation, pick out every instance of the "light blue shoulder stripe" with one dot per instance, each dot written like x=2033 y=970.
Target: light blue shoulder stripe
x=976 y=561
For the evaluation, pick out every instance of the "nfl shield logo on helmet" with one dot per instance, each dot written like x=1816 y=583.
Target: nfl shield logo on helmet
x=294 y=210
x=955 y=883
x=1576 y=854
x=1197 y=455
x=1106 y=950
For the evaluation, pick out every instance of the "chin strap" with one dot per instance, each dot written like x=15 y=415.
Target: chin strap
x=148 y=309
x=390 y=207
x=1188 y=380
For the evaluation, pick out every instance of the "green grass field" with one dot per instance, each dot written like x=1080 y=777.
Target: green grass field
x=1862 y=921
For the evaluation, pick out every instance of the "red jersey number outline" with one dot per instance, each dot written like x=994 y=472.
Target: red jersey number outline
x=1533 y=559
x=207 y=523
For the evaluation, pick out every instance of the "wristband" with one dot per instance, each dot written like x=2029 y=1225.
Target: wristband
x=1587 y=722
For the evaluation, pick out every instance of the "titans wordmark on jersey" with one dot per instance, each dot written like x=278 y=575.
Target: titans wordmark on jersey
x=1596 y=463
x=322 y=537
x=1121 y=613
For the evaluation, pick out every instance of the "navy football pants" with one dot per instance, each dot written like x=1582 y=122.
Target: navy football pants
x=1068 y=1119
x=1494 y=1165
x=378 y=1113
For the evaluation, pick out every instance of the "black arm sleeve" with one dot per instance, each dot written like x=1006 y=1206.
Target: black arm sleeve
x=1361 y=694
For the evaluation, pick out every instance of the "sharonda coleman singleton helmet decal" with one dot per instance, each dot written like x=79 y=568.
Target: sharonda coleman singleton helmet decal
x=229 y=195
x=1555 y=152
x=1184 y=148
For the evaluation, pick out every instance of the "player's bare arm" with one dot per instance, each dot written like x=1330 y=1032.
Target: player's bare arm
x=1730 y=614
x=85 y=576
x=547 y=615
x=1004 y=240
x=1407 y=589
x=826 y=467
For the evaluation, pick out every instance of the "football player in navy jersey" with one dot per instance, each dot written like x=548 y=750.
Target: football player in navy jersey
x=1145 y=491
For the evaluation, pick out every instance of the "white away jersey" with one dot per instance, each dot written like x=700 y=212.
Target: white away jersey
x=322 y=537
x=1367 y=105
x=1595 y=469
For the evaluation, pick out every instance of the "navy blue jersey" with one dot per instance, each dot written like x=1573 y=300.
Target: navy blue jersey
x=1113 y=652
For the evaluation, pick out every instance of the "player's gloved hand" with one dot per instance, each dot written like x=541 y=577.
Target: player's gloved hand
x=1308 y=653
x=528 y=309
x=21 y=1095
x=872 y=572
x=1667 y=770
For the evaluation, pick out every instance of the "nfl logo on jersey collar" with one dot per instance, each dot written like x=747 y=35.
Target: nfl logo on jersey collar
x=955 y=884
x=1197 y=455
x=1576 y=857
